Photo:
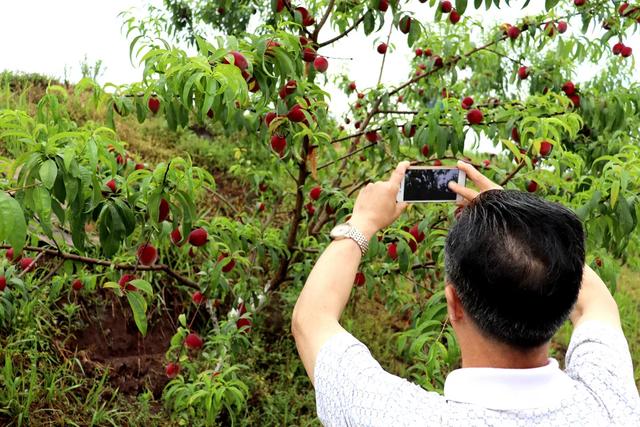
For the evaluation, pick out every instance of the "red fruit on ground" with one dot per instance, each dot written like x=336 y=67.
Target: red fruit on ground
x=446 y=6
x=569 y=88
x=405 y=24
x=383 y=5
x=261 y=207
x=315 y=193
x=176 y=237
x=147 y=254
x=626 y=52
x=279 y=144
x=197 y=297
x=172 y=370
x=139 y=166
x=154 y=105
x=198 y=237
x=163 y=210
x=27 y=264
x=523 y=73
x=545 y=148
x=10 y=254
x=437 y=162
x=296 y=114
x=112 y=185
x=269 y=117
x=382 y=48
x=238 y=60
x=244 y=324
x=513 y=32
x=562 y=27
x=454 y=17
x=308 y=54
x=392 y=251
x=515 y=135
x=425 y=150
x=352 y=86
x=120 y=160
x=124 y=282
x=228 y=265
x=532 y=186
x=193 y=341
x=617 y=48
x=467 y=102
x=360 y=279
x=417 y=234
x=77 y=285
x=262 y=187
x=3 y=283
x=372 y=136
x=475 y=116
x=321 y=64
x=242 y=309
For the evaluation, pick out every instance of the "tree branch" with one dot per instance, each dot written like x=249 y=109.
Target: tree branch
x=314 y=36
x=117 y=266
x=343 y=34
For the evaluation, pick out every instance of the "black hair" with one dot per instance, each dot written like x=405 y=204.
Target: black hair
x=516 y=261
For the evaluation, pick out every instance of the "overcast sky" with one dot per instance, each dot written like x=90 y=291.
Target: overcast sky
x=51 y=36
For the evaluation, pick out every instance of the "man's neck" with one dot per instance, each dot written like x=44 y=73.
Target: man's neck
x=486 y=354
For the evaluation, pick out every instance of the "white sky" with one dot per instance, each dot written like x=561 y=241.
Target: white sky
x=48 y=36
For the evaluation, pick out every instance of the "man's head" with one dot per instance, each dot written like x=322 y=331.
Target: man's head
x=515 y=262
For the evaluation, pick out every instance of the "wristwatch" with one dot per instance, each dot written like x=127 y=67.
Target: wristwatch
x=348 y=231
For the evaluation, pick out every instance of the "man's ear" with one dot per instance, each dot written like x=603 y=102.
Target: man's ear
x=454 y=306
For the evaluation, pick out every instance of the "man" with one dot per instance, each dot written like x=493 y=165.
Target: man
x=515 y=272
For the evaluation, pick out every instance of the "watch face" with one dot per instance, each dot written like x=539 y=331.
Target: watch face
x=340 y=230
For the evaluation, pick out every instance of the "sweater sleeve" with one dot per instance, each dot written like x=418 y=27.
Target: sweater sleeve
x=598 y=356
x=352 y=389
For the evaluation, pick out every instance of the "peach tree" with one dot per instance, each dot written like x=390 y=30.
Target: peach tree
x=73 y=194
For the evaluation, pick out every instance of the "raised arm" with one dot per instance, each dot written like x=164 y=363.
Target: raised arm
x=594 y=301
x=326 y=292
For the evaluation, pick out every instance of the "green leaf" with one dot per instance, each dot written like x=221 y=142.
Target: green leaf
x=139 y=309
x=615 y=190
x=461 y=6
x=13 y=227
x=48 y=173
x=143 y=285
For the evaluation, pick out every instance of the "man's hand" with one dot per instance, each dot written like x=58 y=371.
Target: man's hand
x=376 y=206
x=481 y=182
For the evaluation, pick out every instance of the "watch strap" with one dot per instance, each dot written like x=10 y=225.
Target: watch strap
x=359 y=238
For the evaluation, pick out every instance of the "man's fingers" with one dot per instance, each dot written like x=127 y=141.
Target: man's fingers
x=465 y=192
x=482 y=182
x=398 y=174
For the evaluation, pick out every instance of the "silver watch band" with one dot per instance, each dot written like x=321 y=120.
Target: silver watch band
x=359 y=238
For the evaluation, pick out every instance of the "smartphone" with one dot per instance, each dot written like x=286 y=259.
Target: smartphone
x=430 y=184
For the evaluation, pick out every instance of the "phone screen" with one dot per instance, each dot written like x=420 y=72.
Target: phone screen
x=429 y=184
